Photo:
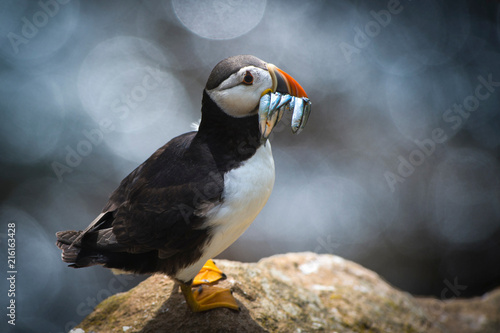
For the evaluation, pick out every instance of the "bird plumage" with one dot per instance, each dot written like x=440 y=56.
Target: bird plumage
x=154 y=221
x=195 y=195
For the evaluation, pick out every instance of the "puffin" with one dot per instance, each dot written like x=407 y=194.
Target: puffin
x=195 y=195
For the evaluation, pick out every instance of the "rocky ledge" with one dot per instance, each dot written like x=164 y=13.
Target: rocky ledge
x=296 y=292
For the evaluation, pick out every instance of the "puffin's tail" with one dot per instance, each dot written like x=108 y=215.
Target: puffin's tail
x=80 y=249
x=70 y=243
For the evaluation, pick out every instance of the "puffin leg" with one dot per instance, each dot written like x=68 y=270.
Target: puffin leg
x=205 y=298
x=209 y=274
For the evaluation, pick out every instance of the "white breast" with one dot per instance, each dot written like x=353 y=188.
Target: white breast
x=246 y=190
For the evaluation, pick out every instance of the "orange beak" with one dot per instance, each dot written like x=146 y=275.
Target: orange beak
x=284 y=83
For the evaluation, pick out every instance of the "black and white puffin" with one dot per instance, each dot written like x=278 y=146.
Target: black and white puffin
x=195 y=195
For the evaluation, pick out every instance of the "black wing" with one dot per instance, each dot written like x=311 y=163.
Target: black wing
x=161 y=205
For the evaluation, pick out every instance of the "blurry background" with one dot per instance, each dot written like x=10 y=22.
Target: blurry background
x=398 y=168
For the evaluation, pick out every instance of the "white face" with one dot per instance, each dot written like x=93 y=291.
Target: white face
x=239 y=94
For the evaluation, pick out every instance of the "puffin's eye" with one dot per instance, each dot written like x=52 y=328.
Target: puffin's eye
x=248 y=78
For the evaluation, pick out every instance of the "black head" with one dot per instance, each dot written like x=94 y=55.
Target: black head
x=236 y=84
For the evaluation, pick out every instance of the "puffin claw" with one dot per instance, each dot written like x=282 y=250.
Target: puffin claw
x=209 y=274
x=204 y=298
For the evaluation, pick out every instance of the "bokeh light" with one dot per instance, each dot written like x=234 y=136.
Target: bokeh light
x=219 y=19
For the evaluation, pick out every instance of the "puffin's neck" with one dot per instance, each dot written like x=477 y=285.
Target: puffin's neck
x=230 y=140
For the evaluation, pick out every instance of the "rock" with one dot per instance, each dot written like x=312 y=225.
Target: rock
x=297 y=292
